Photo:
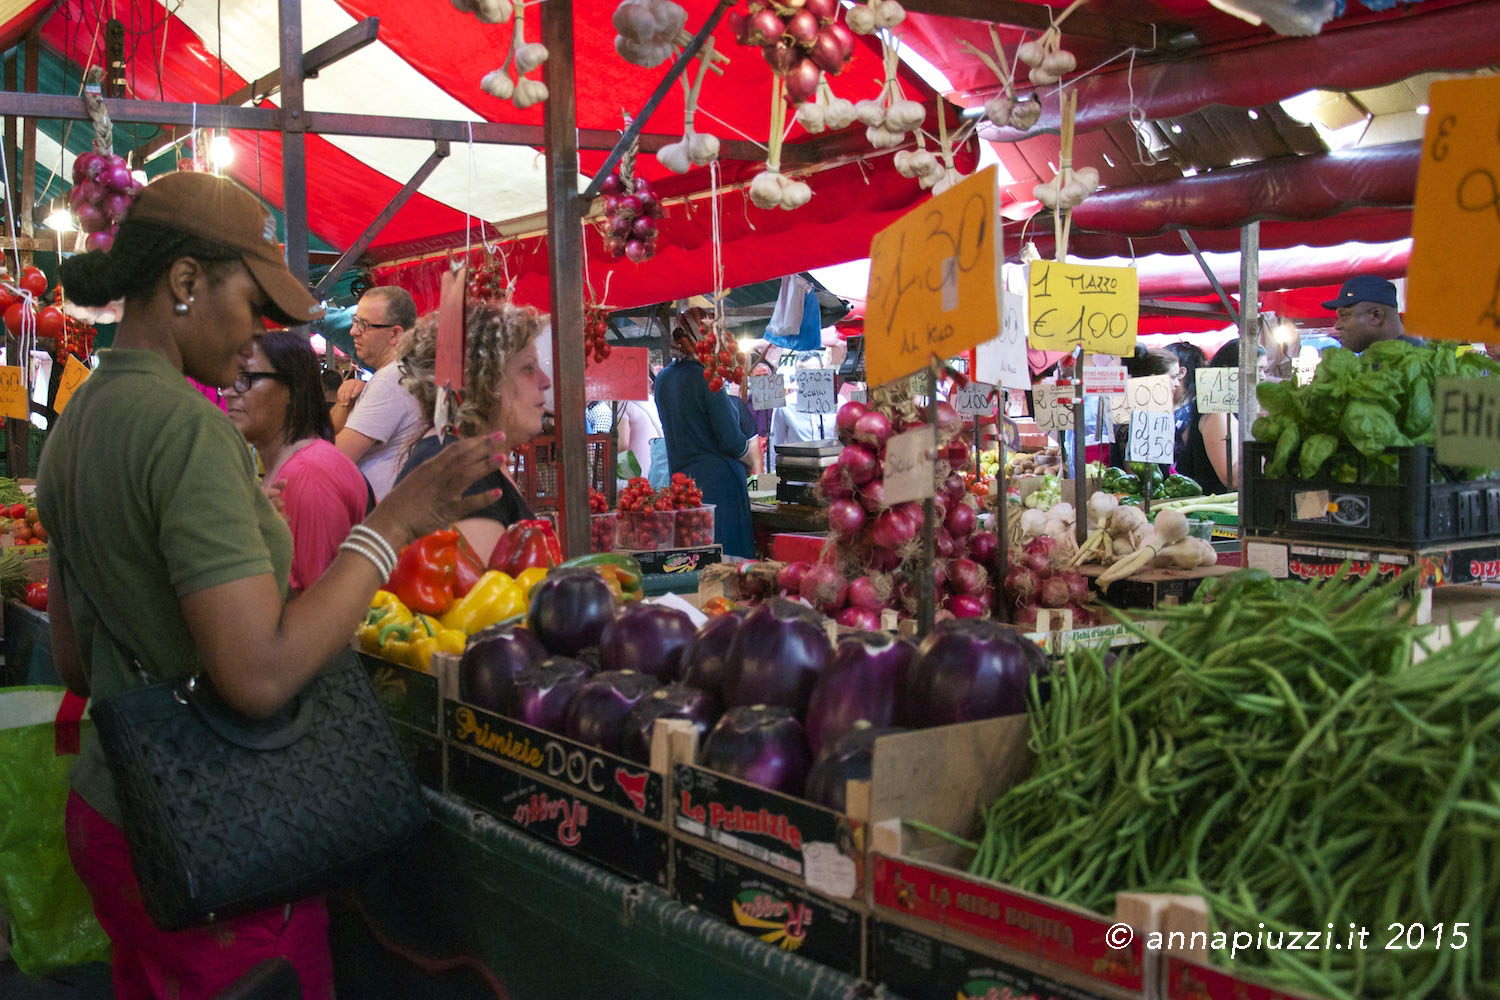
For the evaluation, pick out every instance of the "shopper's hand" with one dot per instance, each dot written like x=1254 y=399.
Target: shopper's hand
x=431 y=496
x=273 y=493
x=349 y=391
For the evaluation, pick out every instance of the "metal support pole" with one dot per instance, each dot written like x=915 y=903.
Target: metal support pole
x=293 y=139
x=565 y=236
x=1080 y=456
x=926 y=587
x=1249 y=329
x=1208 y=273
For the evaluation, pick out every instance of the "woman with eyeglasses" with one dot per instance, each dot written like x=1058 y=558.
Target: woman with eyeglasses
x=277 y=403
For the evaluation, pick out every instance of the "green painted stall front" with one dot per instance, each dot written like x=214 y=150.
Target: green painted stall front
x=474 y=909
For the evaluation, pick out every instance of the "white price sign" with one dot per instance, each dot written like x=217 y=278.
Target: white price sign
x=1152 y=394
x=767 y=392
x=815 y=393
x=1152 y=437
x=1054 y=406
x=908 y=470
x=1218 y=390
x=977 y=399
x=1003 y=359
x=1104 y=380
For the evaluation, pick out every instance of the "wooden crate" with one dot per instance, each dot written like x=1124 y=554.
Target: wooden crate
x=1154 y=587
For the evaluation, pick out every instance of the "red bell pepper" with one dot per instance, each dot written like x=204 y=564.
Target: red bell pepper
x=526 y=545
x=425 y=570
x=467 y=568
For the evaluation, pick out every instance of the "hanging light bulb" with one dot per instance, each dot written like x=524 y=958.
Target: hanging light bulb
x=220 y=150
x=59 y=219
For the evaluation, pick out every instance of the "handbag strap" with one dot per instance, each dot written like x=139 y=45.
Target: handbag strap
x=142 y=674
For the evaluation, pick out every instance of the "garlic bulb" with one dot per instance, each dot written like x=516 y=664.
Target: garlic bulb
x=529 y=92
x=812 y=117
x=883 y=138
x=634 y=20
x=674 y=156
x=1088 y=177
x=861 y=20
x=1059 y=63
x=463 y=6
x=924 y=163
x=1042 y=78
x=888 y=13
x=870 y=112
x=950 y=177
x=1046 y=193
x=703 y=149
x=765 y=190
x=839 y=114
x=1031 y=53
x=493 y=11
x=1026 y=113
x=997 y=110
x=530 y=56
x=902 y=162
x=497 y=83
x=795 y=194
x=903 y=116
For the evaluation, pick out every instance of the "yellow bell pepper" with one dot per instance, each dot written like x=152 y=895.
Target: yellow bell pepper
x=528 y=579
x=385 y=607
x=397 y=640
x=494 y=597
x=444 y=640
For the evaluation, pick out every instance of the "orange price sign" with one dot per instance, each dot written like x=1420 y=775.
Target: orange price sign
x=13 y=401
x=932 y=282
x=621 y=376
x=74 y=372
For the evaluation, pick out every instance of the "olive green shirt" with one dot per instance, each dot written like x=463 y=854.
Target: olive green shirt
x=148 y=493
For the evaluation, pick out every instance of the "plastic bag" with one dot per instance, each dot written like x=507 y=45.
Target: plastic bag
x=51 y=917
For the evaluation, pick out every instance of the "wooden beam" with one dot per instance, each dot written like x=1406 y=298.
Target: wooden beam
x=293 y=138
x=1038 y=17
x=565 y=239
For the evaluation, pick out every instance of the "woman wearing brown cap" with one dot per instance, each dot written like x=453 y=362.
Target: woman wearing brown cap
x=164 y=548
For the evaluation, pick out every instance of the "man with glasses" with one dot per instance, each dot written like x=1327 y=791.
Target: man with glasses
x=375 y=424
x=1366 y=307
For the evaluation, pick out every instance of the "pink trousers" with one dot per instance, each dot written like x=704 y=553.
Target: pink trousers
x=196 y=964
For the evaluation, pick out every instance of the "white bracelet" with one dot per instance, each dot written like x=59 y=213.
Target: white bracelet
x=376 y=539
x=359 y=547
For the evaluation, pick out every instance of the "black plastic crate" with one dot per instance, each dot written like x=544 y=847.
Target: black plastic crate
x=1412 y=512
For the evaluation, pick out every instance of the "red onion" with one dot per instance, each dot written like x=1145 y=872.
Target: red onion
x=630 y=205
x=958 y=454
x=939 y=577
x=650 y=205
x=847 y=416
x=619 y=225
x=1020 y=584
x=90 y=218
x=942 y=542
x=982 y=547
x=949 y=422
x=1078 y=584
x=912 y=512
x=860 y=462
x=612 y=185
x=802 y=81
x=863 y=593
x=802 y=28
x=964 y=606
x=824 y=10
x=961 y=520
x=763 y=28
x=827 y=52
x=987 y=599
x=115 y=205
x=874 y=428
x=1025 y=615
x=845 y=517
x=102 y=240
x=85 y=192
x=1055 y=592
x=614 y=246
x=860 y=618
x=824 y=588
x=737 y=23
x=845 y=36
x=636 y=251
x=643 y=228
x=872 y=496
x=1038 y=552
x=1084 y=617
x=117 y=177
x=87 y=165
x=884 y=560
x=780 y=56
x=642 y=187
x=789 y=577
x=954 y=487
x=834 y=484
x=890 y=530
x=966 y=576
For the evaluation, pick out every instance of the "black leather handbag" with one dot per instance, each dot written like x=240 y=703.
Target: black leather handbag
x=227 y=815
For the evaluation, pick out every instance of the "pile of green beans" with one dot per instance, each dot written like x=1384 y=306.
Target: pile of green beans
x=1276 y=750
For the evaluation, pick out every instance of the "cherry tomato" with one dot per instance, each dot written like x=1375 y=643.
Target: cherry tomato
x=49 y=322
x=13 y=314
x=34 y=281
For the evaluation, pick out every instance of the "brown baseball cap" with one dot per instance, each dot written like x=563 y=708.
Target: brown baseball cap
x=218 y=209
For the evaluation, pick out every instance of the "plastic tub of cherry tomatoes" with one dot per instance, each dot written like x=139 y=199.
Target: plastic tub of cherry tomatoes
x=694 y=527
x=645 y=529
x=602 y=531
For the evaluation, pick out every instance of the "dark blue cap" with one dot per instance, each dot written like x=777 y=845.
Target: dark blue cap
x=1364 y=288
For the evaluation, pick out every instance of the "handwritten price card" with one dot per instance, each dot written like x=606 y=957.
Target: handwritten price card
x=815 y=391
x=1453 y=279
x=13 y=401
x=767 y=392
x=1152 y=393
x=1467 y=431
x=1074 y=305
x=908 y=472
x=619 y=377
x=977 y=399
x=74 y=372
x=1002 y=360
x=1218 y=390
x=1151 y=437
x=1054 y=406
x=932 y=281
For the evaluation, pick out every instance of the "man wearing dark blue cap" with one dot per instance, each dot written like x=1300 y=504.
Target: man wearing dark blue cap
x=1366 y=306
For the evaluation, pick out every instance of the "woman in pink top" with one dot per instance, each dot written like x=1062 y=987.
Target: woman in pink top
x=277 y=403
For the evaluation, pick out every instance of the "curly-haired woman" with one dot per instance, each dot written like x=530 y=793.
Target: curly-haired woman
x=504 y=391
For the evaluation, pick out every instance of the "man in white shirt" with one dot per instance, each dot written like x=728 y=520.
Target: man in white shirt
x=376 y=423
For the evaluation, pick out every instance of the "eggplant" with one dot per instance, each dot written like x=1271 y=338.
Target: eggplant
x=966 y=669
x=675 y=701
x=703 y=660
x=596 y=714
x=648 y=638
x=850 y=758
x=776 y=657
x=490 y=661
x=539 y=695
x=569 y=610
x=762 y=744
x=861 y=683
